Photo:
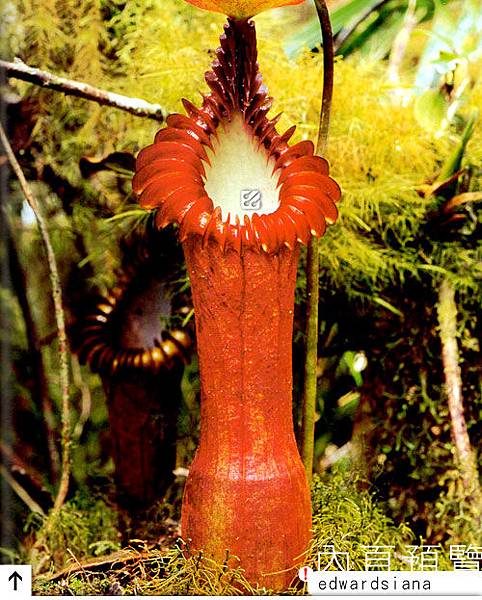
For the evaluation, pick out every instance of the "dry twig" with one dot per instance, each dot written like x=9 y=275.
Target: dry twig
x=135 y=106
x=59 y=317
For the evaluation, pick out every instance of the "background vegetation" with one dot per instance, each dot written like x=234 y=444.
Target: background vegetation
x=405 y=146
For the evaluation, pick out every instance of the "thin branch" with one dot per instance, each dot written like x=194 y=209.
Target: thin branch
x=59 y=317
x=39 y=388
x=85 y=395
x=134 y=106
x=346 y=32
x=465 y=455
x=21 y=492
x=19 y=469
x=101 y=564
x=400 y=43
x=313 y=257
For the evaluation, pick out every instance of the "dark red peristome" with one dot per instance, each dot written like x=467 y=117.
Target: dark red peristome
x=171 y=172
x=112 y=337
x=246 y=491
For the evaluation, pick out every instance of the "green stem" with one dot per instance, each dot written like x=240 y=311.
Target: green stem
x=328 y=61
x=313 y=260
x=311 y=357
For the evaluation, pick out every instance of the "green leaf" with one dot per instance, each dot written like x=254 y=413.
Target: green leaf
x=139 y=213
x=387 y=305
x=309 y=35
x=431 y=111
x=454 y=161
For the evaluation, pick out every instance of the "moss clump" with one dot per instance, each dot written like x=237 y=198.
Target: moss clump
x=345 y=514
x=149 y=572
x=159 y=50
x=455 y=507
x=349 y=517
x=86 y=526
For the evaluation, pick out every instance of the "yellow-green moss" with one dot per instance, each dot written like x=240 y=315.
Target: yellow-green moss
x=345 y=514
x=159 y=50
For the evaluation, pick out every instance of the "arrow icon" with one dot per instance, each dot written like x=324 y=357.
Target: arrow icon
x=16 y=577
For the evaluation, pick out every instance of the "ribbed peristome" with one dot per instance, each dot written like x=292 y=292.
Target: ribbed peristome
x=172 y=174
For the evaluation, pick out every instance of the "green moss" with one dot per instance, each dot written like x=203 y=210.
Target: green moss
x=346 y=515
x=349 y=517
x=159 y=50
x=86 y=526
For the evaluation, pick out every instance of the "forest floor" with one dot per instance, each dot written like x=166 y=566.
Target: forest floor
x=64 y=558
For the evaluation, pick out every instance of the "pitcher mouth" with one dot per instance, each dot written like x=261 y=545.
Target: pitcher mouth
x=225 y=173
x=121 y=333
